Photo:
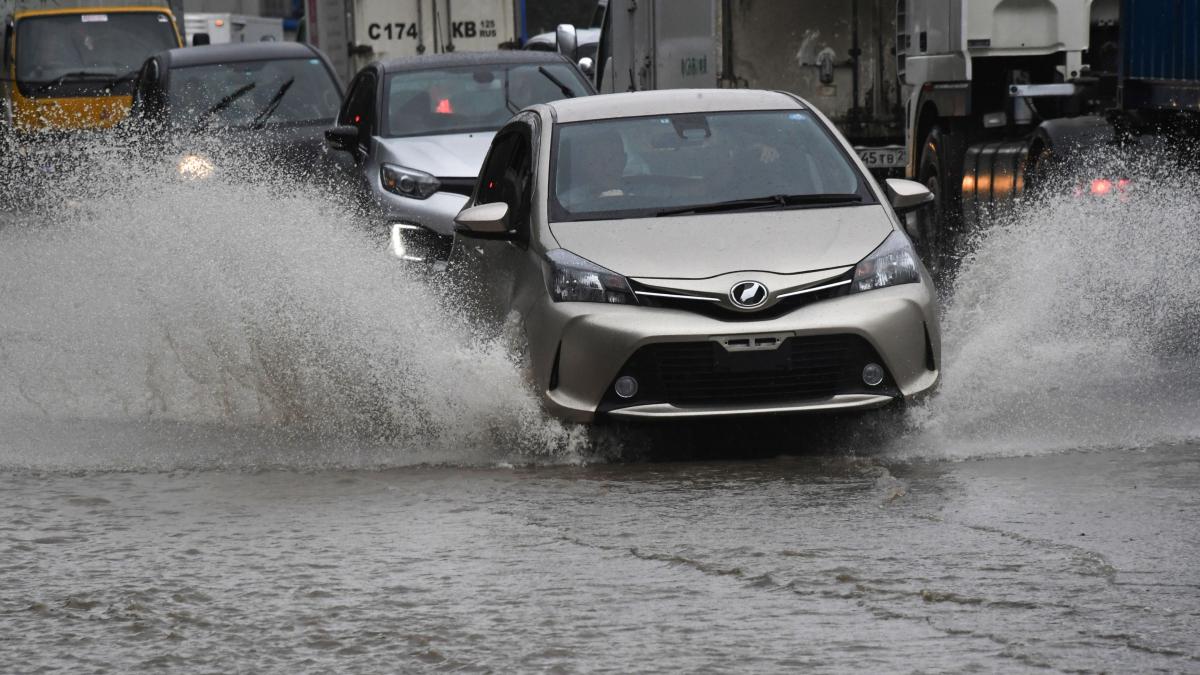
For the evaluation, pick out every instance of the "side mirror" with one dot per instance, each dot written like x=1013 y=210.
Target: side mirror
x=567 y=40
x=587 y=66
x=486 y=221
x=907 y=195
x=200 y=39
x=343 y=137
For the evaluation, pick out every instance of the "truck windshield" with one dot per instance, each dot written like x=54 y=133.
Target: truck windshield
x=78 y=54
x=699 y=163
x=471 y=98
x=297 y=91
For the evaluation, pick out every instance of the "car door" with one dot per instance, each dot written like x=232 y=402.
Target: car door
x=359 y=110
x=490 y=269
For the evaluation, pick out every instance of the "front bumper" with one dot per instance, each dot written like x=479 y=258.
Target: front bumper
x=435 y=214
x=579 y=349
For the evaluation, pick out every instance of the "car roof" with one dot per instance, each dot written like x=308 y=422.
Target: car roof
x=669 y=102
x=499 y=57
x=240 y=51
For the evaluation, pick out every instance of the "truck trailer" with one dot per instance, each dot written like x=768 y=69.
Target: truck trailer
x=837 y=54
x=1001 y=96
x=224 y=28
x=354 y=33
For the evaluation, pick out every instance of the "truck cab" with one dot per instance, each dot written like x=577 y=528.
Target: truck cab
x=70 y=65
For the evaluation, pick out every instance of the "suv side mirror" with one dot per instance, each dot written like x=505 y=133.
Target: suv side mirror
x=907 y=195
x=343 y=137
x=567 y=40
x=486 y=221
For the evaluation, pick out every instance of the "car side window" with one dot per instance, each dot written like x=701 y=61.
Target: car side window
x=359 y=109
x=508 y=175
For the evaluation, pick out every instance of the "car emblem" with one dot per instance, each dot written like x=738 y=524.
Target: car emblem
x=748 y=294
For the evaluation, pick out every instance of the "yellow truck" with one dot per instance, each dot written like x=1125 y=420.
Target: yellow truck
x=70 y=64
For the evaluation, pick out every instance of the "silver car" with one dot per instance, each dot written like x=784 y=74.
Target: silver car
x=698 y=254
x=418 y=128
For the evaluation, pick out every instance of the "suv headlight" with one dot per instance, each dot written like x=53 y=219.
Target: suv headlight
x=408 y=182
x=573 y=279
x=893 y=263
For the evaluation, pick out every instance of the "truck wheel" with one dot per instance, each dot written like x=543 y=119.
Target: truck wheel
x=936 y=224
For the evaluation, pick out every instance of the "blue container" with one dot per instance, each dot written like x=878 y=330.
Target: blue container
x=1160 y=54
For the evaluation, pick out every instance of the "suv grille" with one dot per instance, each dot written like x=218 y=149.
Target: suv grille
x=807 y=367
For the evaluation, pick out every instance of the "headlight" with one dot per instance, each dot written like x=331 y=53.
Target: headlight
x=195 y=167
x=893 y=263
x=407 y=182
x=573 y=279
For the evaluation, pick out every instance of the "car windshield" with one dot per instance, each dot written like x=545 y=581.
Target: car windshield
x=661 y=165
x=295 y=91
x=53 y=51
x=471 y=98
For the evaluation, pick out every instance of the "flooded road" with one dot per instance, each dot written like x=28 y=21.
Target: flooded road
x=1072 y=562
x=236 y=437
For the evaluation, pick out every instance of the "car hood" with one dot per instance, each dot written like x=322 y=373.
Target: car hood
x=444 y=156
x=703 y=246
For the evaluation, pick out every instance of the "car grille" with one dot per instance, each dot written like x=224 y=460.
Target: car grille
x=801 y=368
x=714 y=310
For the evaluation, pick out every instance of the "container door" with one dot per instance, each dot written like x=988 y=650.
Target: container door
x=474 y=25
x=685 y=44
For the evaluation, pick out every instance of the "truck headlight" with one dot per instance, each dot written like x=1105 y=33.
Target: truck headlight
x=408 y=182
x=573 y=279
x=894 y=262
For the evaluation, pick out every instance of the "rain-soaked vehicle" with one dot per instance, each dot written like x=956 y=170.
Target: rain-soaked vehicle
x=418 y=128
x=69 y=65
x=271 y=99
x=697 y=253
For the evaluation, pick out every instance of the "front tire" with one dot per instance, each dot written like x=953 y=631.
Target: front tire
x=936 y=229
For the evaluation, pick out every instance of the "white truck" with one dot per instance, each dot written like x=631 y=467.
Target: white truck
x=355 y=32
x=1000 y=95
x=837 y=54
x=224 y=27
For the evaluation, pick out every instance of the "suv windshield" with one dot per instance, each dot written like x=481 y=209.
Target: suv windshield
x=294 y=91
x=65 y=51
x=471 y=98
x=699 y=163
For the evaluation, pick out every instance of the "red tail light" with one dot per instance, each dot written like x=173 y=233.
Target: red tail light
x=1102 y=186
x=444 y=107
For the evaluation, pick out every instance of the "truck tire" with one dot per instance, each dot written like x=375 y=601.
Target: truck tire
x=937 y=226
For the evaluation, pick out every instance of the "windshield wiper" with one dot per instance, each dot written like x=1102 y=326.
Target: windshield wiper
x=72 y=75
x=224 y=103
x=260 y=120
x=566 y=91
x=120 y=78
x=764 y=202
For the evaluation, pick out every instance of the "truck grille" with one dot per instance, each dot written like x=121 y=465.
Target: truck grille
x=807 y=367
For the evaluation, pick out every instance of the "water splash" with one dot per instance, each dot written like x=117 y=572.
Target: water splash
x=1074 y=323
x=250 y=302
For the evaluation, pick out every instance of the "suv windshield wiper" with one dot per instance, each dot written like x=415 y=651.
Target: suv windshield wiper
x=566 y=91
x=224 y=103
x=764 y=202
x=73 y=75
x=120 y=78
x=260 y=120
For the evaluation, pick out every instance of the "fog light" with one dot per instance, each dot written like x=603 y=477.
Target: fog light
x=873 y=374
x=626 y=387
